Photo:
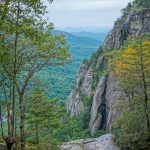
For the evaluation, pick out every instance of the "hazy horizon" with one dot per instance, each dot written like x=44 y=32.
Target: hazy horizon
x=85 y=14
x=85 y=29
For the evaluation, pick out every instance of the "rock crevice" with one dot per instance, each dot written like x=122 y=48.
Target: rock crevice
x=106 y=95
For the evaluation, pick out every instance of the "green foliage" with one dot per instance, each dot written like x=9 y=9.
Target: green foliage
x=46 y=107
x=47 y=142
x=130 y=128
x=60 y=80
x=75 y=128
x=94 y=57
x=98 y=72
x=131 y=65
x=141 y=3
x=43 y=116
x=135 y=5
x=48 y=124
x=86 y=99
x=27 y=45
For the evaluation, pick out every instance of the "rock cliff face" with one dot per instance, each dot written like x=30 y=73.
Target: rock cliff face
x=135 y=23
x=83 y=87
x=106 y=94
x=105 y=142
x=98 y=98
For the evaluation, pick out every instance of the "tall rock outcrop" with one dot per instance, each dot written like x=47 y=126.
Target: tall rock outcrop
x=103 y=90
x=98 y=99
x=136 y=23
x=83 y=87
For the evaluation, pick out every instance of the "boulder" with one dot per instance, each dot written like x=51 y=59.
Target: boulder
x=105 y=142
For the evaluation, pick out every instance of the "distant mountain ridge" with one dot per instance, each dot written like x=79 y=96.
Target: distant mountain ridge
x=94 y=29
x=74 y=39
x=61 y=79
x=101 y=88
x=98 y=35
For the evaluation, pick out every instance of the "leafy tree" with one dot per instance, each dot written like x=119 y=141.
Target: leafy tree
x=130 y=129
x=27 y=46
x=132 y=68
x=126 y=10
x=74 y=128
x=43 y=116
x=141 y=3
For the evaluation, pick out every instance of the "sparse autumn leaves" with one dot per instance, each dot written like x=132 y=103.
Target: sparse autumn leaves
x=131 y=65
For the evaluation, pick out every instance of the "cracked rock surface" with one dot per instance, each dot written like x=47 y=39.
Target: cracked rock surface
x=105 y=142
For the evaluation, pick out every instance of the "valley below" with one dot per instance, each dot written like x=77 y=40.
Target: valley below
x=74 y=90
x=60 y=80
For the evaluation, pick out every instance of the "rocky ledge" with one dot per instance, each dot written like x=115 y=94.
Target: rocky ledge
x=105 y=142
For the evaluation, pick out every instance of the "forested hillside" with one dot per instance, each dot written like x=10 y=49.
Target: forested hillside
x=60 y=80
x=113 y=85
x=38 y=67
x=98 y=36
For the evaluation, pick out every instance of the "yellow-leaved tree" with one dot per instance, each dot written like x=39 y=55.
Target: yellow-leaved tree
x=131 y=65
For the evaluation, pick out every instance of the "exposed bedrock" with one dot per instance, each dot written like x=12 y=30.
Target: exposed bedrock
x=105 y=142
x=106 y=94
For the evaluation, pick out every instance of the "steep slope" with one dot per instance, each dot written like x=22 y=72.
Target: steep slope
x=102 y=88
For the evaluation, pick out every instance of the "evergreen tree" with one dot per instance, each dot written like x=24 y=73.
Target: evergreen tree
x=43 y=115
x=27 y=46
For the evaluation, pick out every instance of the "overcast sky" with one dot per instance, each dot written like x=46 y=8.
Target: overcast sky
x=81 y=13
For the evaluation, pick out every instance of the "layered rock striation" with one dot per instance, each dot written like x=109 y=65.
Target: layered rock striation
x=106 y=94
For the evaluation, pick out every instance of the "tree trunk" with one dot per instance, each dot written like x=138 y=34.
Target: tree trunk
x=15 y=131
x=146 y=112
x=9 y=142
x=9 y=121
x=37 y=134
x=22 y=121
x=1 y=120
x=144 y=89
